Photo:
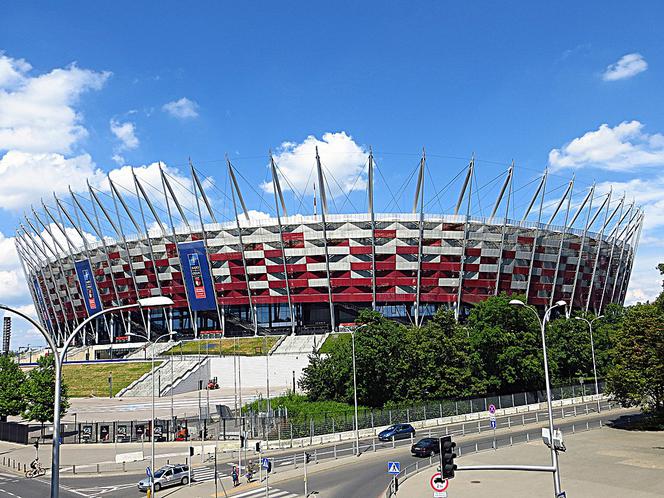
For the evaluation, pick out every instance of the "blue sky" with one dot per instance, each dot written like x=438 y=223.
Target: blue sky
x=87 y=88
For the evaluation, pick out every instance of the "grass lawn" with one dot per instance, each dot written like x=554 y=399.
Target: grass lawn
x=246 y=346
x=300 y=408
x=92 y=379
x=333 y=339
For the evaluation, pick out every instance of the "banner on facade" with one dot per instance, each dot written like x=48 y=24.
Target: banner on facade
x=197 y=276
x=41 y=303
x=89 y=292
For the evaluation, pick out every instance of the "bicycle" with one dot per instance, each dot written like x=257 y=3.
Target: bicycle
x=36 y=471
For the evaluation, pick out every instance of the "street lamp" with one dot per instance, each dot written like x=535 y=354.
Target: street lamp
x=542 y=321
x=592 y=345
x=357 y=431
x=153 y=343
x=148 y=302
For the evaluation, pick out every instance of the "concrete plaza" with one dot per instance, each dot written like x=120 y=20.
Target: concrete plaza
x=599 y=463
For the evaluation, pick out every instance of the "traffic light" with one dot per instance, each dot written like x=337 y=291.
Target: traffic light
x=447 y=456
x=242 y=438
x=258 y=447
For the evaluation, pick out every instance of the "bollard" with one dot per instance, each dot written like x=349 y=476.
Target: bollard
x=509 y=422
x=511 y=441
x=523 y=419
x=97 y=468
x=479 y=427
x=73 y=469
x=527 y=437
x=587 y=426
x=295 y=461
x=476 y=448
x=335 y=451
x=315 y=455
x=373 y=443
x=573 y=431
x=536 y=416
x=392 y=441
x=463 y=429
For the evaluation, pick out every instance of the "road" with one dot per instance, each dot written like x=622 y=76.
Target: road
x=366 y=476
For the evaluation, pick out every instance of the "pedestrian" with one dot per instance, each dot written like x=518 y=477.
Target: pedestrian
x=236 y=476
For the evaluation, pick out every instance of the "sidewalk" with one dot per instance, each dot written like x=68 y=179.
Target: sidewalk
x=598 y=463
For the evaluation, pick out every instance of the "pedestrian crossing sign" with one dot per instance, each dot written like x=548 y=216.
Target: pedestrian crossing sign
x=265 y=463
x=393 y=468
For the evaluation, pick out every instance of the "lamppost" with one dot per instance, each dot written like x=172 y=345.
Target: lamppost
x=542 y=321
x=357 y=431
x=592 y=345
x=152 y=345
x=148 y=302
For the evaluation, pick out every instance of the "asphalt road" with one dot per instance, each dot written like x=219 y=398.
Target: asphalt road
x=366 y=476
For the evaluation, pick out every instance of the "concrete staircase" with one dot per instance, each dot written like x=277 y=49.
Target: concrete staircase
x=185 y=374
x=299 y=344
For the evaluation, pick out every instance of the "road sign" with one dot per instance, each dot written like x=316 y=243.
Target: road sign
x=393 y=468
x=493 y=423
x=440 y=494
x=265 y=463
x=438 y=483
x=148 y=471
x=492 y=408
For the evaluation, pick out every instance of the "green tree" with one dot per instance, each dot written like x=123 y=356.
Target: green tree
x=568 y=347
x=12 y=380
x=507 y=340
x=438 y=360
x=637 y=375
x=40 y=392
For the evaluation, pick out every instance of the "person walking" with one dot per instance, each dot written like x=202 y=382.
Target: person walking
x=236 y=476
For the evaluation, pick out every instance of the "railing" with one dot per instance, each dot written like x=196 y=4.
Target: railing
x=284 y=427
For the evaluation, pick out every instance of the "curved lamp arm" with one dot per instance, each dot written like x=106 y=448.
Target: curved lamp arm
x=36 y=324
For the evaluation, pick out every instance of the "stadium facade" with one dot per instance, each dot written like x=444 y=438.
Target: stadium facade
x=302 y=273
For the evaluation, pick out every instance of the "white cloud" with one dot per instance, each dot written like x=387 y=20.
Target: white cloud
x=343 y=161
x=621 y=148
x=39 y=128
x=126 y=133
x=118 y=159
x=182 y=109
x=38 y=113
x=26 y=177
x=629 y=65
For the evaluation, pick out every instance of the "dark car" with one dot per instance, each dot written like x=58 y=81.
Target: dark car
x=425 y=447
x=396 y=431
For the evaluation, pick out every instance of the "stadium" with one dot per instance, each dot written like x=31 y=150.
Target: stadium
x=309 y=273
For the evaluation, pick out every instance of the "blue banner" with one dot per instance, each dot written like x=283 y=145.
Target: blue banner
x=41 y=303
x=197 y=276
x=89 y=292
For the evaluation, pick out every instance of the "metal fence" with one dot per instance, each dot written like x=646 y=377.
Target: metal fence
x=280 y=426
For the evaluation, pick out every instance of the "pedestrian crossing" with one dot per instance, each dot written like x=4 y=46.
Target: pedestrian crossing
x=260 y=492
x=202 y=474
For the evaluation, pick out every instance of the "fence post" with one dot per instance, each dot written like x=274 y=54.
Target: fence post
x=291 y=435
x=479 y=426
x=440 y=407
x=523 y=419
x=408 y=415
x=424 y=407
x=512 y=399
x=333 y=429
x=456 y=407
x=485 y=408
x=536 y=416
x=389 y=413
x=372 y=420
x=509 y=422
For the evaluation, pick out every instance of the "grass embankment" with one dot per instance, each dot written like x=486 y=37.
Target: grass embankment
x=300 y=408
x=92 y=379
x=246 y=346
x=333 y=339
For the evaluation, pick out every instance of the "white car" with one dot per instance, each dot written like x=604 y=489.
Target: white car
x=168 y=475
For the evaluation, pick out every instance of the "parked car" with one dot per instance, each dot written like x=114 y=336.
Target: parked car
x=159 y=433
x=426 y=447
x=168 y=475
x=396 y=431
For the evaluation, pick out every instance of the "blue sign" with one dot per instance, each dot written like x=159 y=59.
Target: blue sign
x=197 y=276
x=493 y=423
x=393 y=468
x=148 y=471
x=42 y=304
x=89 y=292
x=265 y=463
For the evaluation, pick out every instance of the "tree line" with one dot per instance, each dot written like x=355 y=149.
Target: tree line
x=29 y=395
x=498 y=350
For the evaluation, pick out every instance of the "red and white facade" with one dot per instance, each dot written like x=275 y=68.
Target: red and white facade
x=293 y=272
